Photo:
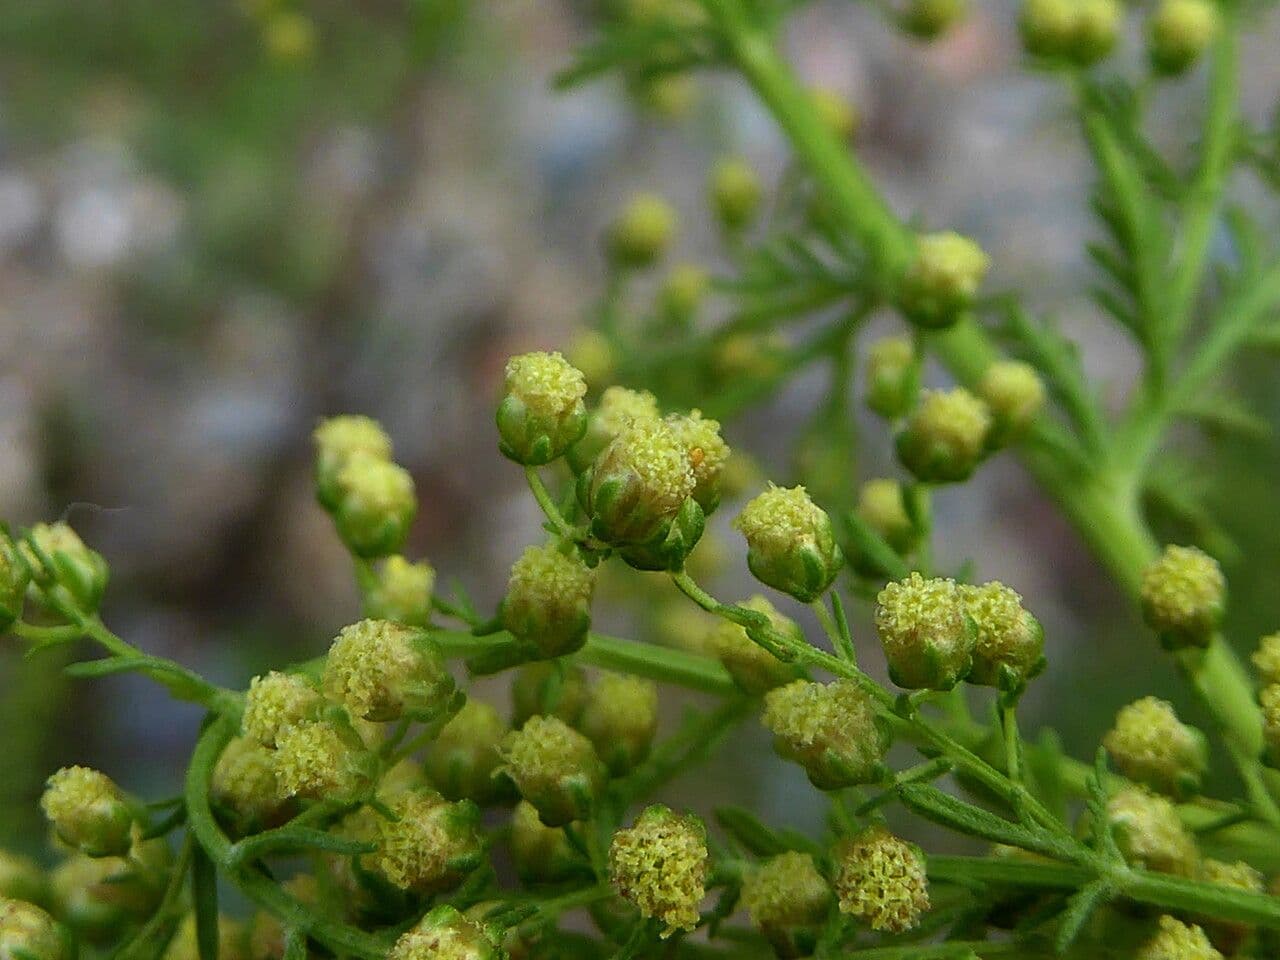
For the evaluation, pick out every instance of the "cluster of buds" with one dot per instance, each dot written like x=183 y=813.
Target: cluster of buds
x=369 y=496
x=831 y=730
x=791 y=542
x=1184 y=596
x=55 y=557
x=661 y=864
x=940 y=285
x=1079 y=32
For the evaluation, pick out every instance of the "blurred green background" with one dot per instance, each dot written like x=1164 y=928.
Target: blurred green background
x=221 y=221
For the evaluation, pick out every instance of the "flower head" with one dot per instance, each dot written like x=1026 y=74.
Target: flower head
x=620 y=718
x=1014 y=393
x=836 y=112
x=661 y=864
x=1176 y=940
x=553 y=689
x=431 y=845
x=374 y=504
x=445 y=934
x=681 y=295
x=336 y=440
x=1269 y=699
x=1151 y=745
x=1184 y=596
x=791 y=543
x=1010 y=641
x=893 y=376
x=244 y=782
x=881 y=879
x=945 y=437
x=943 y=279
x=541 y=853
x=382 y=670
x=318 y=761
x=54 y=554
x=784 y=892
x=1150 y=832
x=88 y=811
x=928 y=638
x=542 y=412
x=706 y=452
x=1266 y=659
x=277 y=701
x=548 y=601
x=754 y=669
x=28 y=933
x=617 y=407
x=830 y=729
x=555 y=768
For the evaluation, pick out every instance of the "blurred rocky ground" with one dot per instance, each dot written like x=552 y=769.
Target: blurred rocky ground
x=172 y=325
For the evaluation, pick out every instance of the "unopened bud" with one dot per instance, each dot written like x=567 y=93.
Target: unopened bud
x=881 y=879
x=542 y=854
x=244 y=784
x=552 y=689
x=660 y=865
x=754 y=669
x=1095 y=30
x=591 y=352
x=382 y=671
x=56 y=556
x=829 y=729
x=1047 y=26
x=791 y=544
x=1184 y=596
x=735 y=193
x=620 y=719
x=88 y=811
x=548 y=600
x=642 y=232
x=928 y=638
x=893 y=377
x=375 y=505
x=431 y=845
x=681 y=295
x=542 y=413
x=1014 y=393
x=401 y=591
x=1179 y=33
x=319 y=761
x=943 y=280
x=1151 y=745
x=462 y=761
x=946 y=436
x=336 y=440
x=1176 y=940
x=555 y=768
x=929 y=19
x=277 y=701
x=28 y=933
x=1010 y=642
x=1150 y=833
x=784 y=893
x=882 y=507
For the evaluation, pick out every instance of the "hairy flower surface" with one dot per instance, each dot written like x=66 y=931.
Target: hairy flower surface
x=277 y=701
x=706 y=452
x=881 y=879
x=546 y=383
x=381 y=670
x=28 y=933
x=661 y=865
x=927 y=636
x=315 y=761
x=616 y=409
x=555 y=768
x=791 y=544
x=548 y=600
x=445 y=934
x=431 y=845
x=1184 y=595
x=943 y=279
x=1010 y=642
x=828 y=728
x=1176 y=940
x=1148 y=743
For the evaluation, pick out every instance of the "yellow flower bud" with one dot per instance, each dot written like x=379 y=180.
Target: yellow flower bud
x=791 y=543
x=893 y=377
x=1179 y=32
x=660 y=865
x=1095 y=29
x=754 y=669
x=462 y=761
x=1266 y=659
x=548 y=600
x=317 y=761
x=942 y=281
x=620 y=719
x=836 y=112
x=946 y=436
x=277 y=701
x=735 y=193
x=431 y=845
x=336 y=440
x=542 y=413
x=1150 y=833
x=929 y=19
x=555 y=768
x=550 y=689
x=785 y=892
x=829 y=729
x=88 y=811
x=542 y=854
x=881 y=879
x=1010 y=642
x=1226 y=935
x=402 y=591
x=382 y=670
x=1014 y=393
x=375 y=505
x=681 y=294
x=617 y=408
x=244 y=783
x=592 y=353
x=445 y=934
x=882 y=508
x=55 y=555
x=707 y=454
x=1184 y=596
x=642 y=233
x=1151 y=745
x=928 y=638
x=28 y=933
x=1176 y=940
x=21 y=878
x=1047 y=26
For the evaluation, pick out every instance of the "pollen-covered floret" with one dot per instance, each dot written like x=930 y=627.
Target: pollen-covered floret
x=1010 y=641
x=244 y=781
x=928 y=640
x=945 y=437
x=1176 y=940
x=28 y=933
x=546 y=383
x=617 y=407
x=1184 y=596
x=555 y=768
x=337 y=438
x=660 y=864
x=620 y=719
x=656 y=455
x=88 y=811
x=881 y=879
x=1266 y=659
x=1151 y=745
x=706 y=452
x=315 y=761
x=381 y=670
x=277 y=701
x=548 y=599
x=943 y=279
x=786 y=891
x=445 y=934
x=402 y=591
x=431 y=845
x=791 y=544
x=830 y=729
x=754 y=669
x=1150 y=833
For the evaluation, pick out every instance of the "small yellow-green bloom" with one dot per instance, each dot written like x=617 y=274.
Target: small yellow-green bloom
x=829 y=729
x=754 y=669
x=463 y=759
x=401 y=591
x=542 y=413
x=927 y=636
x=382 y=670
x=942 y=281
x=28 y=933
x=55 y=554
x=1014 y=393
x=548 y=600
x=642 y=233
x=881 y=879
x=277 y=701
x=1095 y=30
x=374 y=504
x=707 y=454
x=735 y=193
x=445 y=934
x=893 y=377
x=336 y=440
x=244 y=782
x=786 y=892
x=1184 y=596
x=945 y=437
x=620 y=719
x=791 y=543
x=1176 y=940
x=555 y=768
x=88 y=811
x=431 y=845
x=1010 y=642
x=660 y=864
x=317 y=761
x=617 y=408
x=1179 y=32
x=1151 y=745
x=1047 y=26
x=1150 y=833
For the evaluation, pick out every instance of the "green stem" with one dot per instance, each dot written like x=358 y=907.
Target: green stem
x=548 y=504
